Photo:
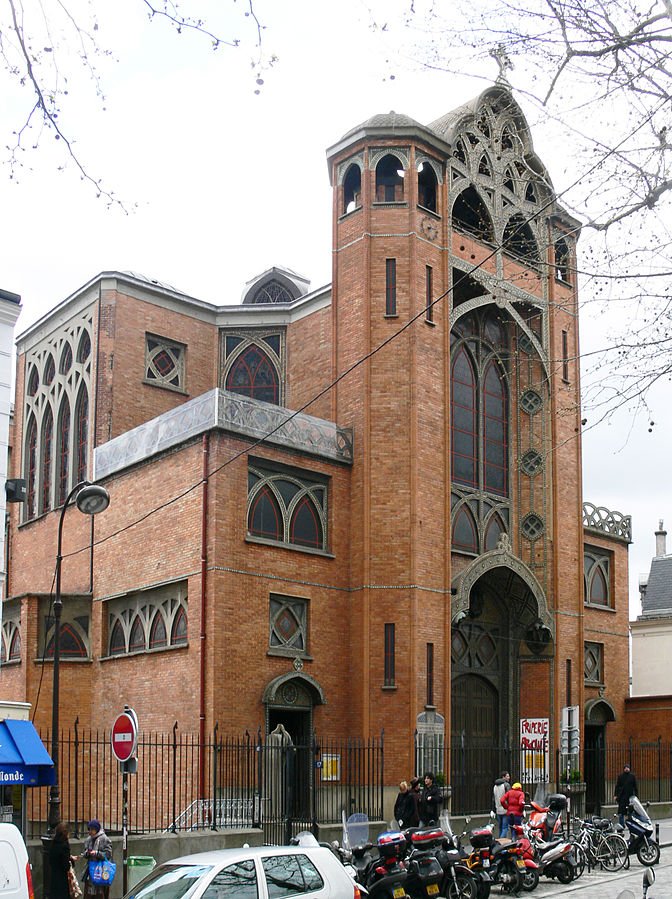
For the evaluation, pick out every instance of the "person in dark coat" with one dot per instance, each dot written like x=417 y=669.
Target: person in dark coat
x=59 y=863
x=414 y=793
x=97 y=846
x=626 y=786
x=430 y=801
x=404 y=806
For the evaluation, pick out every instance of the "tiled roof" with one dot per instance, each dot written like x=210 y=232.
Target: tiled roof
x=658 y=597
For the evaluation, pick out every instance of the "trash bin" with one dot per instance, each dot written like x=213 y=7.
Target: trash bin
x=139 y=866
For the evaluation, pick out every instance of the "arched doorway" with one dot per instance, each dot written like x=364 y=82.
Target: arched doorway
x=598 y=713
x=288 y=754
x=500 y=618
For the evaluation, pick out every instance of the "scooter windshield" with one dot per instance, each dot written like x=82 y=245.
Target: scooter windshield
x=639 y=810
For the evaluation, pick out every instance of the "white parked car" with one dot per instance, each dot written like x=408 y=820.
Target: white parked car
x=258 y=872
x=16 y=881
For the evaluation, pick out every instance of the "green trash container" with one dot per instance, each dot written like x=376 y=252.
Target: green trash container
x=139 y=866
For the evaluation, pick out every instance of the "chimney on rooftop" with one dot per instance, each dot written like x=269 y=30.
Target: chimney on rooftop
x=660 y=539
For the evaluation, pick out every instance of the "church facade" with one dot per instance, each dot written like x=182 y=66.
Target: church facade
x=347 y=510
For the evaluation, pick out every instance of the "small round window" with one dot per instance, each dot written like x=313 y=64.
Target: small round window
x=531 y=402
x=531 y=463
x=532 y=526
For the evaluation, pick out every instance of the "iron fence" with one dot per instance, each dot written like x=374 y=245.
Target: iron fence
x=227 y=782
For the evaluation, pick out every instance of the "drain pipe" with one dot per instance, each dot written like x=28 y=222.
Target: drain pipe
x=204 y=570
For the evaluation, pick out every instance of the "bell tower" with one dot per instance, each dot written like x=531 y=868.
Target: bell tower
x=391 y=337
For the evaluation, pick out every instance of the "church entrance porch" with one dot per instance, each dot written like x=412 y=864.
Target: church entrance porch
x=500 y=620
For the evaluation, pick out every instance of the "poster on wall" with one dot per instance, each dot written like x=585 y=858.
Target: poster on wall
x=534 y=758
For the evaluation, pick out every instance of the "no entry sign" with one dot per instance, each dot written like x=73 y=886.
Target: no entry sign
x=124 y=736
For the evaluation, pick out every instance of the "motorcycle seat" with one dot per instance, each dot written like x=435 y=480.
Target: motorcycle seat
x=601 y=823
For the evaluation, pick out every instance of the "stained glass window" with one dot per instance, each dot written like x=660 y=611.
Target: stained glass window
x=63 y=437
x=47 y=446
x=82 y=433
x=288 y=623
x=254 y=375
x=164 y=362
x=287 y=508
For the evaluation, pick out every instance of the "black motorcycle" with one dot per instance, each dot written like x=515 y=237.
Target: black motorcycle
x=380 y=869
x=455 y=880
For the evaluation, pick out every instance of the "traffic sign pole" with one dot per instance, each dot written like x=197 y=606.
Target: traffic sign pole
x=124 y=741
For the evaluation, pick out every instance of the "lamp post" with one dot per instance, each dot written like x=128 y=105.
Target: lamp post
x=91 y=499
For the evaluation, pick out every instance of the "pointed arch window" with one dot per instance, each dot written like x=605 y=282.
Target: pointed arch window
x=352 y=189
x=484 y=166
x=427 y=186
x=596 y=565
x=15 y=646
x=63 y=458
x=495 y=417
x=47 y=449
x=480 y=404
x=49 y=371
x=519 y=240
x=470 y=214
x=33 y=381
x=84 y=348
x=465 y=531
x=464 y=423
x=136 y=642
x=82 y=434
x=253 y=374
x=178 y=633
x=304 y=526
x=31 y=468
x=287 y=507
x=117 y=639
x=389 y=180
x=66 y=359
x=265 y=518
x=157 y=635
x=272 y=292
x=493 y=532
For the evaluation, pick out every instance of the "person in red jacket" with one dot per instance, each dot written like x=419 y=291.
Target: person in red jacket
x=514 y=802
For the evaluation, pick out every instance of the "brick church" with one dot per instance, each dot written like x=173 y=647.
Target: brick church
x=343 y=509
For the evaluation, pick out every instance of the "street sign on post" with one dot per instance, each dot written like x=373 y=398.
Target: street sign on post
x=124 y=736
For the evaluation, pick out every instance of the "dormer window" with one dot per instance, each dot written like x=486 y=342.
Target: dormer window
x=272 y=292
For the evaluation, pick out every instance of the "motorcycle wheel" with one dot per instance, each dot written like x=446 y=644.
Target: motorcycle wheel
x=563 y=871
x=483 y=888
x=463 y=887
x=649 y=853
x=530 y=879
x=514 y=877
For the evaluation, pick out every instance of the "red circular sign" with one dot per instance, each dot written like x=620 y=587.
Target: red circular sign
x=124 y=737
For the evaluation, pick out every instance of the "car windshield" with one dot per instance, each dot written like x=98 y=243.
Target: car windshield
x=169 y=882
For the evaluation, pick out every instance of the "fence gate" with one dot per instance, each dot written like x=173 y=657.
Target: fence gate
x=288 y=789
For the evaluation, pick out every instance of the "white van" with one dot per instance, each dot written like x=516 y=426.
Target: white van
x=16 y=881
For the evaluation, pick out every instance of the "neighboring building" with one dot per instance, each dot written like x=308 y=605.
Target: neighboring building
x=652 y=630
x=408 y=549
x=10 y=307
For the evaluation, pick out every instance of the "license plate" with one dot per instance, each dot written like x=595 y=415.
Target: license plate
x=520 y=863
x=399 y=893
x=432 y=889
x=486 y=862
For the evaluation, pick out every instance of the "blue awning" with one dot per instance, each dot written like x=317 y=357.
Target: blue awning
x=23 y=758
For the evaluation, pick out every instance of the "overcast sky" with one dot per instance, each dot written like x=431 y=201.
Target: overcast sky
x=228 y=183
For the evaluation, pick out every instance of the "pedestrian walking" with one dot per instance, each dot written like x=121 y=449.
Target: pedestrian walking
x=501 y=785
x=59 y=862
x=514 y=803
x=97 y=847
x=626 y=786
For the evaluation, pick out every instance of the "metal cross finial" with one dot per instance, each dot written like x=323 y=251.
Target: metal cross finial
x=500 y=55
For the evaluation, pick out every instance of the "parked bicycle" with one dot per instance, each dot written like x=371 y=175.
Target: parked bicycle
x=597 y=845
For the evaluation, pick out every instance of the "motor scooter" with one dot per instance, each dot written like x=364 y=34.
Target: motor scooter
x=555 y=858
x=641 y=841
x=381 y=869
x=453 y=859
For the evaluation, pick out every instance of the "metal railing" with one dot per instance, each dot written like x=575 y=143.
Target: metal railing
x=250 y=781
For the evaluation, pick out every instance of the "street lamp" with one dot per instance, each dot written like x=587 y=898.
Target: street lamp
x=91 y=499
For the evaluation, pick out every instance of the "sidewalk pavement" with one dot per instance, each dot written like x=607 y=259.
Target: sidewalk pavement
x=663 y=831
